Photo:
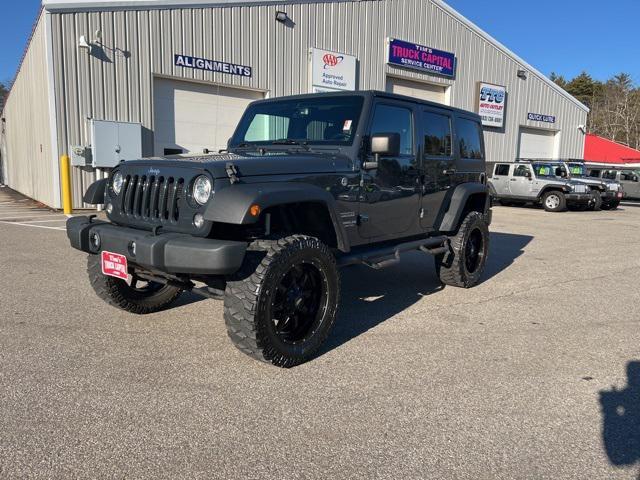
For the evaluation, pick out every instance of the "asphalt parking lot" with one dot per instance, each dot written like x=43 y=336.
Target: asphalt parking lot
x=529 y=375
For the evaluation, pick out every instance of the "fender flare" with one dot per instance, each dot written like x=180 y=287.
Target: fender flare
x=95 y=193
x=232 y=203
x=553 y=186
x=459 y=198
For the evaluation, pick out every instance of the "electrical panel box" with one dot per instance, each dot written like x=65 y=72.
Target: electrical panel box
x=80 y=156
x=112 y=142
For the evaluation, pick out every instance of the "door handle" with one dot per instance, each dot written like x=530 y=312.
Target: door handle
x=450 y=171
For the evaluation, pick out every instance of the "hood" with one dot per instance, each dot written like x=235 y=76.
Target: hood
x=254 y=163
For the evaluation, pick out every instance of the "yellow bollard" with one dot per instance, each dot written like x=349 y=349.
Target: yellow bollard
x=65 y=174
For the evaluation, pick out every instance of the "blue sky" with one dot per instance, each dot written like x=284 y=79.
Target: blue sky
x=565 y=36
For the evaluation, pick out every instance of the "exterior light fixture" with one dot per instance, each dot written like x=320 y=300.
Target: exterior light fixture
x=522 y=74
x=281 y=17
x=82 y=42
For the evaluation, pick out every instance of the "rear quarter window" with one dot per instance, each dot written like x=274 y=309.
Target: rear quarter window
x=469 y=139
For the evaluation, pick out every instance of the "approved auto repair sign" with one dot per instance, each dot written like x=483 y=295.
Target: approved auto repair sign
x=492 y=102
x=331 y=71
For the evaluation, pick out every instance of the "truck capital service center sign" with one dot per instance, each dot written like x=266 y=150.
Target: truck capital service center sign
x=331 y=71
x=492 y=101
x=419 y=57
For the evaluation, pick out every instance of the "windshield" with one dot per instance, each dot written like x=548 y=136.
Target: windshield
x=308 y=121
x=548 y=170
x=577 y=170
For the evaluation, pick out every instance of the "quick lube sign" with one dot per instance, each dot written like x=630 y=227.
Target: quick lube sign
x=538 y=117
x=419 y=57
x=492 y=102
x=211 y=65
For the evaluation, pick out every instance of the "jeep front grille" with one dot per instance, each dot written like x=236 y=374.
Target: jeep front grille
x=152 y=197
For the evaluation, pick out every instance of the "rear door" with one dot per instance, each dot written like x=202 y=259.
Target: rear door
x=500 y=178
x=437 y=161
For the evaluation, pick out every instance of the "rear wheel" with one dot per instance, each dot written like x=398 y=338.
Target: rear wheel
x=464 y=264
x=134 y=295
x=554 y=201
x=280 y=307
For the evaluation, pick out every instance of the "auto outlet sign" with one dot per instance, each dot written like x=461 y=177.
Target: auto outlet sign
x=332 y=71
x=492 y=102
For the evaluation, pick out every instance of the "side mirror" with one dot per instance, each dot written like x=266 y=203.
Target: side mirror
x=528 y=175
x=383 y=145
x=635 y=178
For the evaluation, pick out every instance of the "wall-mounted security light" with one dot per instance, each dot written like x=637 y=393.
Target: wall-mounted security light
x=282 y=17
x=522 y=74
x=582 y=128
x=82 y=42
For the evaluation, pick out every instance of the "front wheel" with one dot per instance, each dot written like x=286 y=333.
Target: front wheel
x=133 y=295
x=280 y=307
x=554 y=201
x=463 y=264
x=596 y=206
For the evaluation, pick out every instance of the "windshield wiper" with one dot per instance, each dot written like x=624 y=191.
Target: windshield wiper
x=290 y=141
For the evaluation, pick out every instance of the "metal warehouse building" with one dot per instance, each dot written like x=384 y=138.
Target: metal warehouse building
x=106 y=80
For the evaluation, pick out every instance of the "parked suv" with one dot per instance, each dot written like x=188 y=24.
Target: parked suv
x=309 y=184
x=607 y=193
x=629 y=178
x=538 y=182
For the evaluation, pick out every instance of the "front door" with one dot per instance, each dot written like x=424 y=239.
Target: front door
x=630 y=182
x=520 y=182
x=390 y=194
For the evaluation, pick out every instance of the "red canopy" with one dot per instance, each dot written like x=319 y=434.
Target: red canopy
x=598 y=149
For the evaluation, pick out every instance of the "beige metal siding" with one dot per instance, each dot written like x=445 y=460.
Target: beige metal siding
x=29 y=158
x=115 y=81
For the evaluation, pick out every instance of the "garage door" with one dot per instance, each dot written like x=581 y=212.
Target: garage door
x=537 y=143
x=423 y=91
x=191 y=117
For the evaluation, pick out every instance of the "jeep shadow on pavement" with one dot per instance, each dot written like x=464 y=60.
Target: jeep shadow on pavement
x=308 y=184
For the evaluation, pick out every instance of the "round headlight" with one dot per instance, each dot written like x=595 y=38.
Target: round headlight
x=116 y=182
x=202 y=189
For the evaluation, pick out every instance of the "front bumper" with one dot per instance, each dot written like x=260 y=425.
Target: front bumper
x=167 y=252
x=610 y=195
x=579 y=198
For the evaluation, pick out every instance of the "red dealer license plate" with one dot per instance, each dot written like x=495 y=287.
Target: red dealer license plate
x=114 y=265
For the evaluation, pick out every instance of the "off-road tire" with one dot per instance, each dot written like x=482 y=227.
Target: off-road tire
x=561 y=204
x=250 y=295
x=596 y=206
x=119 y=294
x=612 y=205
x=451 y=267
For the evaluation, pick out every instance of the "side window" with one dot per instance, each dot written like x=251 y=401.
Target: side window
x=502 y=170
x=391 y=119
x=437 y=135
x=469 y=138
x=609 y=174
x=628 y=176
x=521 y=171
x=594 y=173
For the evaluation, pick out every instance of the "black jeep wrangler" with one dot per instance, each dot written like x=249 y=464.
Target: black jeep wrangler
x=309 y=184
